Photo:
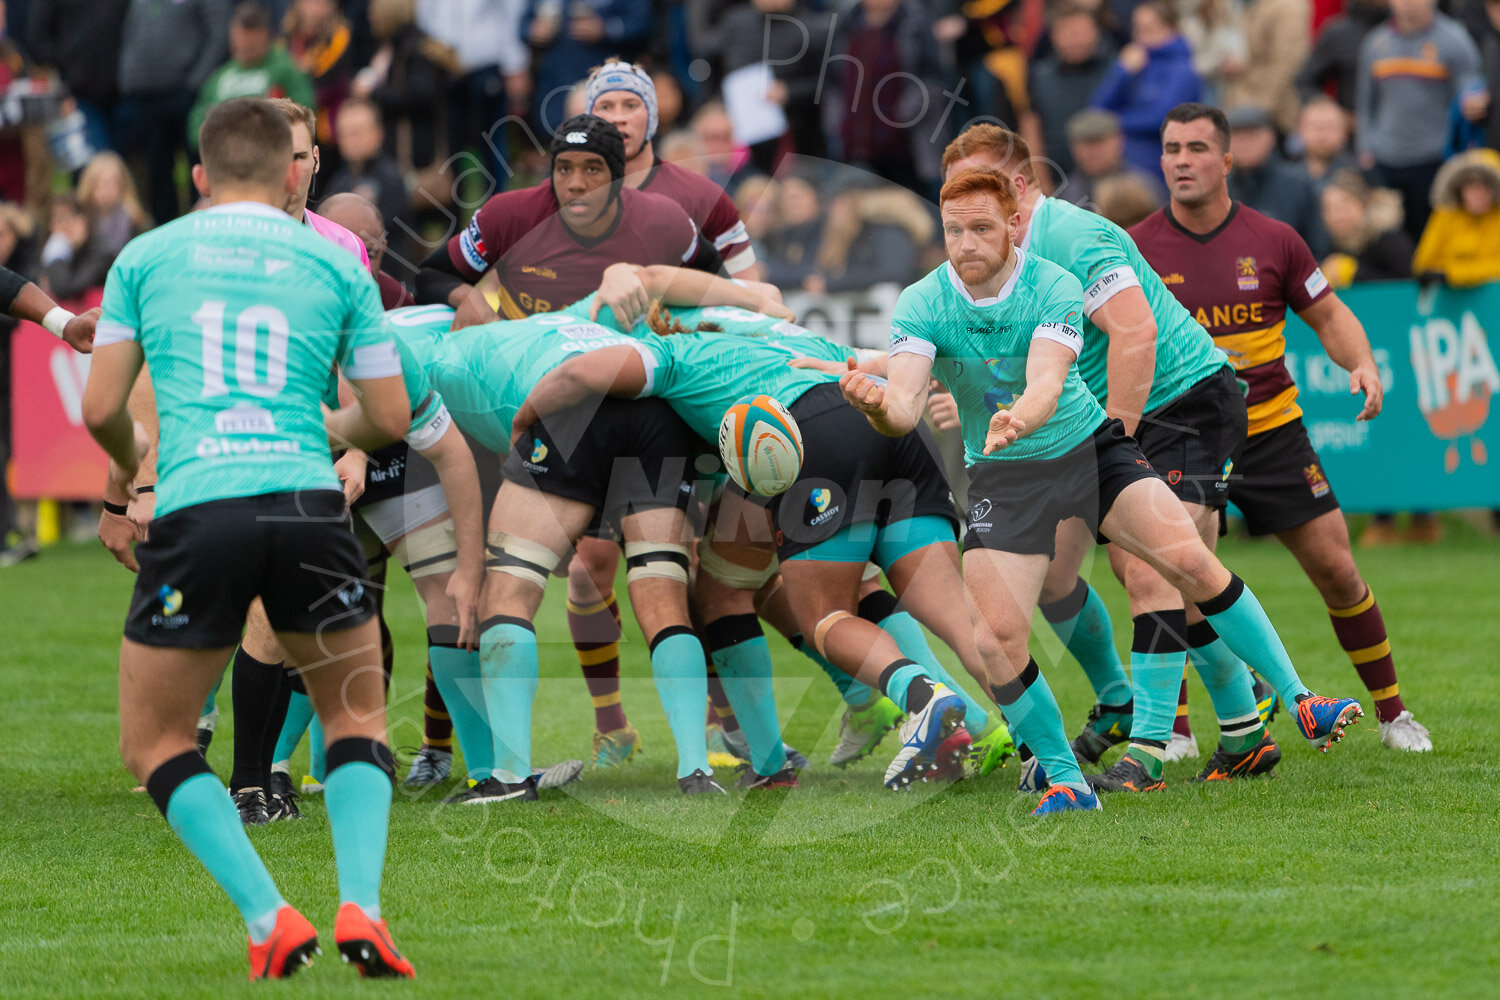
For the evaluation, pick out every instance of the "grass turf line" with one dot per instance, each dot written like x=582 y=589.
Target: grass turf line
x=1366 y=867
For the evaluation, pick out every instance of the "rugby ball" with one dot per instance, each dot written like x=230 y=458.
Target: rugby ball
x=761 y=445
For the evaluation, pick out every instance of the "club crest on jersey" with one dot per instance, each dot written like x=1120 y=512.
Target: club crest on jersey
x=1316 y=480
x=821 y=499
x=538 y=452
x=1246 y=274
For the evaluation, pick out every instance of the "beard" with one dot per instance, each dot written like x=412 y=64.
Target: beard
x=976 y=271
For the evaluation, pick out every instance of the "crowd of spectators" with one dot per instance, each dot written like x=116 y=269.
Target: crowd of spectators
x=1345 y=113
x=424 y=106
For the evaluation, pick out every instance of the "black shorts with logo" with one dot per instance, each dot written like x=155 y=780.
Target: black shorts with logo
x=395 y=470
x=1016 y=506
x=1195 y=440
x=203 y=564
x=1279 y=482
x=619 y=456
x=852 y=473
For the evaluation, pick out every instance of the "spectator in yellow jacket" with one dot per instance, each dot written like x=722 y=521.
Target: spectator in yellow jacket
x=1461 y=243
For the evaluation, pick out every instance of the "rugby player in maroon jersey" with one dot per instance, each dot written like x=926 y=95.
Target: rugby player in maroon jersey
x=623 y=94
x=549 y=245
x=1238 y=272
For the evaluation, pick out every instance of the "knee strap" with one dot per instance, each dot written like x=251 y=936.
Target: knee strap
x=647 y=560
x=520 y=557
x=729 y=573
x=820 y=633
x=428 y=551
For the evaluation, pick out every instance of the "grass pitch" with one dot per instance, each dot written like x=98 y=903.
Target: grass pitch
x=1366 y=872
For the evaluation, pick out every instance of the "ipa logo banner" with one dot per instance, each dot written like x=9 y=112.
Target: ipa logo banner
x=1456 y=378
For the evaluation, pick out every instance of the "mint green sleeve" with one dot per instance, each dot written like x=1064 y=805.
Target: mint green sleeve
x=120 y=317
x=369 y=344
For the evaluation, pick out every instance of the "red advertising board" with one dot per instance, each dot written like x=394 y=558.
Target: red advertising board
x=54 y=456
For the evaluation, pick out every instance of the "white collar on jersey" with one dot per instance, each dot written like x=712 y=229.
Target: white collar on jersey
x=994 y=300
x=248 y=208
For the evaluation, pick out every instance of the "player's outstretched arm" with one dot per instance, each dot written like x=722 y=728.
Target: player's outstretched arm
x=1343 y=337
x=609 y=371
x=1047 y=364
x=24 y=300
x=681 y=286
x=867 y=360
x=894 y=405
x=459 y=477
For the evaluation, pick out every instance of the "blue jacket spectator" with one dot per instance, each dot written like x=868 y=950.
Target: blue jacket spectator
x=572 y=38
x=1153 y=75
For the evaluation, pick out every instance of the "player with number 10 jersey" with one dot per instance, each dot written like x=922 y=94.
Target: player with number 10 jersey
x=238 y=376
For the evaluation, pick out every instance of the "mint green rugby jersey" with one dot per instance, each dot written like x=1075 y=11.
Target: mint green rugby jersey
x=703 y=374
x=979 y=350
x=485 y=372
x=1106 y=261
x=242 y=314
x=783 y=335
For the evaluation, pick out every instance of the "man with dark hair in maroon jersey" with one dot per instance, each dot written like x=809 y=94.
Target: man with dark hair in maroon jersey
x=1238 y=272
x=549 y=244
x=623 y=94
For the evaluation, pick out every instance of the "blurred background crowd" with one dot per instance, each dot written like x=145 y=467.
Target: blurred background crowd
x=1367 y=125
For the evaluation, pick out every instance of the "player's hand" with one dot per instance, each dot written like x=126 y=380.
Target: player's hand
x=1366 y=379
x=141 y=510
x=624 y=293
x=942 y=408
x=866 y=393
x=473 y=310
x=463 y=589
x=521 y=422
x=118 y=533
x=79 y=333
x=351 y=468
x=1004 y=429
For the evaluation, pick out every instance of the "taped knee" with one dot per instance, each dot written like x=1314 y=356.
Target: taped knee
x=820 y=633
x=428 y=551
x=729 y=573
x=520 y=557
x=648 y=560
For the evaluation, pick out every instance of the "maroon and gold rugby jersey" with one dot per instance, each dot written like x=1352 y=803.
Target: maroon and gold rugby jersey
x=543 y=266
x=1238 y=282
x=707 y=205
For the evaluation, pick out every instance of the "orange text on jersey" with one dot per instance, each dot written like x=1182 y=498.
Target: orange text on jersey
x=1237 y=314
